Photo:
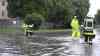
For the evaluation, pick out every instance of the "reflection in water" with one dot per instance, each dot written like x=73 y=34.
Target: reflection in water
x=96 y=49
x=88 y=50
x=8 y=47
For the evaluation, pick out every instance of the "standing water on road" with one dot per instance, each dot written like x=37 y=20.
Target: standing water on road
x=9 y=47
x=42 y=45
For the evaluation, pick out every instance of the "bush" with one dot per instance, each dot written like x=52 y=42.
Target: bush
x=35 y=19
x=28 y=19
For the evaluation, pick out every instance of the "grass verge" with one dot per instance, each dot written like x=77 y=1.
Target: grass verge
x=8 y=29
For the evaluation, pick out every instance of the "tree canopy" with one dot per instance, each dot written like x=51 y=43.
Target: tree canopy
x=51 y=10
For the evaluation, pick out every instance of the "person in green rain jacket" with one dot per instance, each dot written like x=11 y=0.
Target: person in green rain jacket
x=75 y=27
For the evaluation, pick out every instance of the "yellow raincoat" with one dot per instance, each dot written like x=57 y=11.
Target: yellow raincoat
x=75 y=27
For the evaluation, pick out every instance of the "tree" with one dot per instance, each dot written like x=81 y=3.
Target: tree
x=55 y=11
x=15 y=8
x=64 y=10
x=35 y=19
x=60 y=11
x=82 y=8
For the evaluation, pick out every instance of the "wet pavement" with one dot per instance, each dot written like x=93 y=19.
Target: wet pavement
x=47 y=45
x=62 y=46
x=9 y=47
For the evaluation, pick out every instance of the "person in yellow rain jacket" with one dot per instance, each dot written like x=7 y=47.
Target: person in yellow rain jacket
x=75 y=27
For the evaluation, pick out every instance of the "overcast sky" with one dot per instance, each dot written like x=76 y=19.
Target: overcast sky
x=94 y=6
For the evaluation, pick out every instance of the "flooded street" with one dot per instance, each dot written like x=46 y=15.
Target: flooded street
x=9 y=46
x=62 y=46
x=44 y=44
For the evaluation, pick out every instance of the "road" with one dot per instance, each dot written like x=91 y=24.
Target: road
x=9 y=46
x=63 y=45
x=47 y=44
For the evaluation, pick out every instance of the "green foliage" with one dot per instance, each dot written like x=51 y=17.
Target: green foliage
x=82 y=8
x=37 y=16
x=53 y=10
x=15 y=8
x=33 y=18
x=28 y=19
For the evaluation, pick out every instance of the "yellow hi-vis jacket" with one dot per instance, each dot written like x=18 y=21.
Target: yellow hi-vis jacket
x=26 y=28
x=75 y=27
